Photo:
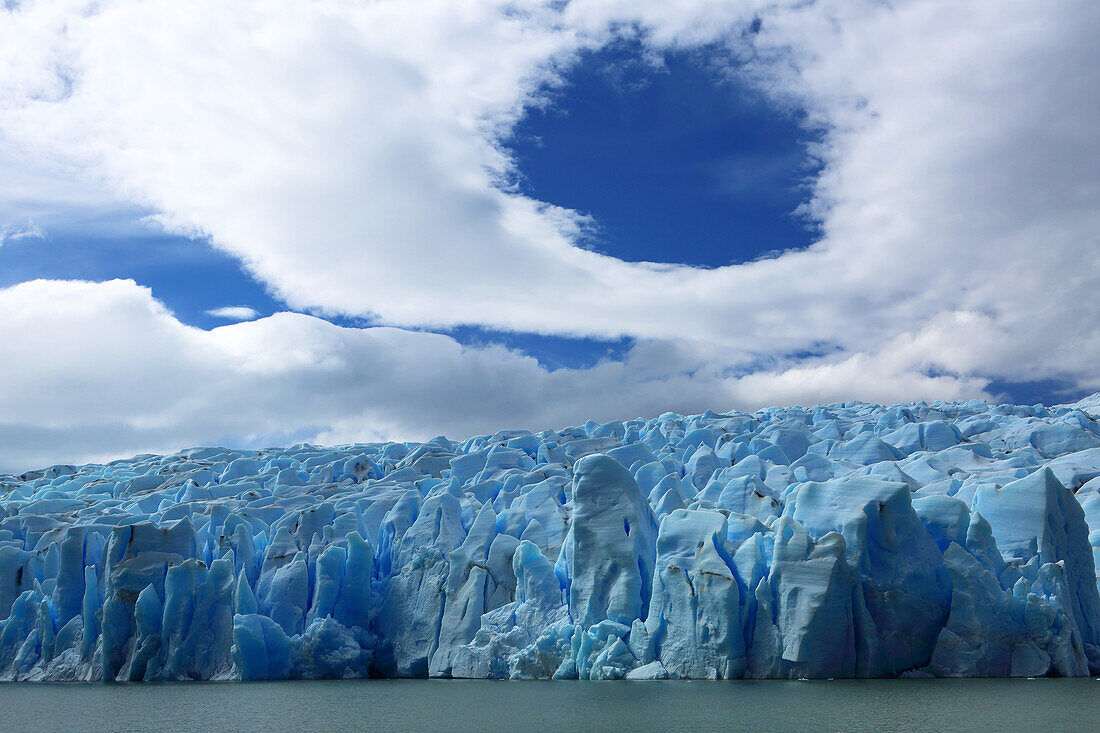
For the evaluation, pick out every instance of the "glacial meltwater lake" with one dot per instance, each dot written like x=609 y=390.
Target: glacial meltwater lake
x=459 y=705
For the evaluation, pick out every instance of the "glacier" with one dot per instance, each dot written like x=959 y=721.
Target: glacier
x=952 y=539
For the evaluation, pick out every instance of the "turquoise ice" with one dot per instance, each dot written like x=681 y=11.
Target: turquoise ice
x=845 y=540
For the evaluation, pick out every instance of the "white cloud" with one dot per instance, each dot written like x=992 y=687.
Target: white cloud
x=234 y=313
x=15 y=234
x=147 y=382
x=349 y=154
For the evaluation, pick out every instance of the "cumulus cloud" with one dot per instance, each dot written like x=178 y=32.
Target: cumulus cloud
x=234 y=313
x=351 y=156
x=148 y=382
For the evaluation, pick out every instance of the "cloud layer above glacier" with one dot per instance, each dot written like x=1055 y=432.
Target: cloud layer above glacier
x=352 y=156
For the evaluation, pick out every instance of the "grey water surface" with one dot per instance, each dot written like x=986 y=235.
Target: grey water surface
x=457 y=705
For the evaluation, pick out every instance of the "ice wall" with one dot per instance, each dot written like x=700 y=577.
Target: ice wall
x=848 y=540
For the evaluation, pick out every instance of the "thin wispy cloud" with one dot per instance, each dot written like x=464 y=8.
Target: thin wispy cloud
x=15 y=234
x=234 y=313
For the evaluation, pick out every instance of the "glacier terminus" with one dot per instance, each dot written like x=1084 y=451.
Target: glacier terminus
x=848 y=540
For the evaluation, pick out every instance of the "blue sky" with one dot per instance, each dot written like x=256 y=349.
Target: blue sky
x=463 y=204
x=676 y=162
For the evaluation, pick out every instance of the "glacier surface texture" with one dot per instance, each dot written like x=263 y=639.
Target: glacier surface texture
x=849 y=540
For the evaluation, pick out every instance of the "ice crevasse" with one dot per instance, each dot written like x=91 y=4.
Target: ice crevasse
x=846 y=540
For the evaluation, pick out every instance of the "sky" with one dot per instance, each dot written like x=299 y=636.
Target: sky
x=284 y=221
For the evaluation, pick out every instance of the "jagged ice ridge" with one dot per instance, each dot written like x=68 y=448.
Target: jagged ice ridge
x=849 y=540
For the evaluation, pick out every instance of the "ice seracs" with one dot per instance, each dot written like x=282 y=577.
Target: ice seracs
x=846 y=540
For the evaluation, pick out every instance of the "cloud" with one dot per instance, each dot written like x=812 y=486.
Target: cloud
x=234 y=313
x=15 y=234
x=150 y=383
x=350 y=155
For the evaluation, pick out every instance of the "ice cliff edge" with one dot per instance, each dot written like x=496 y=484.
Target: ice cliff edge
x=847 y=540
